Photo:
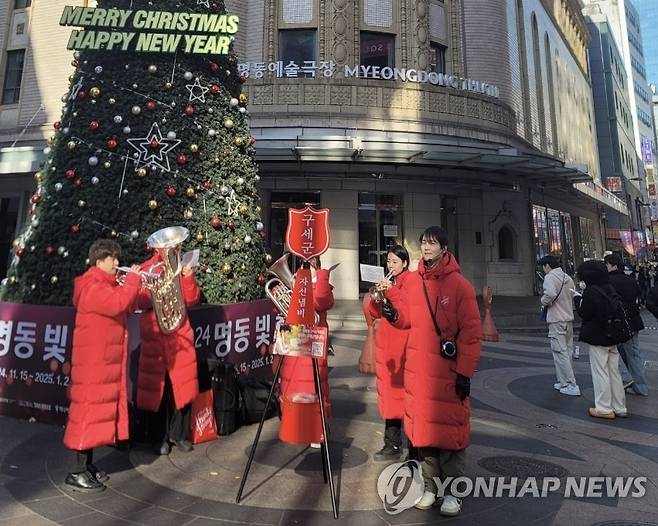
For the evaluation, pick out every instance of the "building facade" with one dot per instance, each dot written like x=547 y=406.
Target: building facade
x=648 y=20
x=396 y=115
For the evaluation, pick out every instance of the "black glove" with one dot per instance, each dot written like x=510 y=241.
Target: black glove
x=463 y=387
x=389 y=312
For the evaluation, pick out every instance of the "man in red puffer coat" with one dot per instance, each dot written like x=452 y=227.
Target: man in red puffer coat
x=437 y=372
x=167 y=381
x=98 y=414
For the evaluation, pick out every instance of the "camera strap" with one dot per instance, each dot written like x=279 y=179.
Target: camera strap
x=432 y=313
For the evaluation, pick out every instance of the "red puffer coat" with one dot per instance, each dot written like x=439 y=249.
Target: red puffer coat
x=434 y=415
x=161 y=353
x=297 y=372
x=390 y=343
x=98 y=414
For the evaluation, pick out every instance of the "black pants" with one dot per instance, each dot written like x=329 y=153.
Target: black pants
x=80 y=460
x=393 y=432
x=176 y=421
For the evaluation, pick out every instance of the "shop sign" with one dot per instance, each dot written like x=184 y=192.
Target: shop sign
x=140 y=30
x=613 y=184
x=312 y=69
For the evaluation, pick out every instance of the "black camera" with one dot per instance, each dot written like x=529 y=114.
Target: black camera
x=449 y=350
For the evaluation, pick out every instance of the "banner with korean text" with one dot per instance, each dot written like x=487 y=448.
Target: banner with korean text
x=36 y=343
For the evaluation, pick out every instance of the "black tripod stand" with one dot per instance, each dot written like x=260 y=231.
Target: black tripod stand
x=324 y=446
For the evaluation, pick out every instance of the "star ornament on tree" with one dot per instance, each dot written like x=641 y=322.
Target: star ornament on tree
x=153 y=148
x=233 y=204
x=203 y=2
x=197 y=86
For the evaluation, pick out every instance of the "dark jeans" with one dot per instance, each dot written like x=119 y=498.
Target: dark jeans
x=177 y=421
x=79 y=460
x=441 y=463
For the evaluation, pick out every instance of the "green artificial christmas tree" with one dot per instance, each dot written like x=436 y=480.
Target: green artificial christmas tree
x=147 y=140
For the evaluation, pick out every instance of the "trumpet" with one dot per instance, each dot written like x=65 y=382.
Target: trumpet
x=378 y=291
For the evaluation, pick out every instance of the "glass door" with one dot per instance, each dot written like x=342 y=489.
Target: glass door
x=380 y=226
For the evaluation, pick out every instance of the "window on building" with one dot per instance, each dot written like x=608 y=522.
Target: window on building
x=13 y=75
x=297 y=46
x=438 y=57
x=22 y=4
x=377 y=49
x=506 y=243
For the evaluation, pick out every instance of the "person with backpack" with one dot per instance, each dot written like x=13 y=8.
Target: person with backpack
x=628 y=289
x=604 y=325
x=558 y=306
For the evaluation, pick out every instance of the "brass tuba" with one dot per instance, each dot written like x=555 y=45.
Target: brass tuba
x=164 y=285
x=279 y=288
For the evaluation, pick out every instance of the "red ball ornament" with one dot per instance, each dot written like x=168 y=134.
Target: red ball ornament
x=75 y=228
x=215 y=222
x=262 y=234
x=112 y=144
x=214 y=89
x=243 y=79
x=214 y=67
x=94 y=125
x=181 y=159
x=77 y=182
x=260 y=279
x=50 y=251
x=154 y=144
x=252 y=139
x=35 y=199
x=82 y=94
x=207 y=184
x=151 y=105
x=70 y=174
x=203 y=268
x=57 y=125
x=171 y=191
x=231 y=224
x=20 y=252
x=189 y=111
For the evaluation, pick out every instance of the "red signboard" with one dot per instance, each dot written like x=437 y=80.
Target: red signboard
x=613 y=184
x=307 y=234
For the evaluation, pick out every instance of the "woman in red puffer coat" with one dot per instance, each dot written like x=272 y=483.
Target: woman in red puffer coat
x=438 y=299
x=390 y=343
x=98 y=413
x=167 y=381
x=297 y=372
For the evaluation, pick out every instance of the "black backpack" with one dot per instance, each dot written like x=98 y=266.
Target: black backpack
x=616 y=324
x=226 y=394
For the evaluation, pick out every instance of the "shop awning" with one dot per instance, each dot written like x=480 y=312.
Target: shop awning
x=459 y=156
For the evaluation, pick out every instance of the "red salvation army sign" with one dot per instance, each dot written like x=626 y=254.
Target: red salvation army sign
x=307 y=234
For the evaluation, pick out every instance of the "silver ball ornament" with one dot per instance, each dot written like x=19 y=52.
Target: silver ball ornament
x=259 y=226
x=118 y=119
x=95 y=180
x=136 y=110
x=152 y=68
x=66 y=131
x=247 y=239
x=127 y=130
x=58 y=187
x=234 y=102
x=240 y=180
x=188 y=75
x=242 y=110
x=93 y=161
x=171 y=136
x=47 y=150
x=61 y=250
x=98 y=70
x=134 y=234
x=211 y=132
x=224 y=190
x=256 y=177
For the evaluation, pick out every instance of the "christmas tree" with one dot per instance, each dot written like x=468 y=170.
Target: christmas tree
x=147 y=140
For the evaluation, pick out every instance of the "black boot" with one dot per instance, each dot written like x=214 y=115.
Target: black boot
x=392 y=449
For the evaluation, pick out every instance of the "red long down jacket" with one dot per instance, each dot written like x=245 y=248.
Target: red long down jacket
x=166 y=353
x=390 y=343
x=297 y=372
x=434 y=415
x=98 y=414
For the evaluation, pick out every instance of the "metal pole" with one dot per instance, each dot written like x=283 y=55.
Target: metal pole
x=260 y=428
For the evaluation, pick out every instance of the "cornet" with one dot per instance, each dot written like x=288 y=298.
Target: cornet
x=378 y=292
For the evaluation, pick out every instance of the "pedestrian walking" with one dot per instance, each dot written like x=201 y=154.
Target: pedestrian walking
x=632 y=364
x=390 y=343
x=438 y=305
x=557 y=305
x=599 y=310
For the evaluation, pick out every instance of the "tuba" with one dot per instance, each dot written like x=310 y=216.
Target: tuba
x=164 y=285
x=279 y=288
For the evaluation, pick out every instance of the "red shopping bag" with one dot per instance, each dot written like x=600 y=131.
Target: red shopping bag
x=203 y=427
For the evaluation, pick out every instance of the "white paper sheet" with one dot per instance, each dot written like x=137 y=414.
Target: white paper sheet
x=371 y=274
x=190 y=259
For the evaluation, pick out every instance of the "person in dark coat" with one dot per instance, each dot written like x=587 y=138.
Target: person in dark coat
x=633 y=376
x=439 y=308
x=98 y=413
x=593 y=307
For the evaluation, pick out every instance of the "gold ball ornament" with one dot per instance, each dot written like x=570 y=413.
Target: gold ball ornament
x=258 y=209
x=243 y=267
x=243 y=98
x=228 y=123
x=81 y=204
x=12 y=280
x=95 y=91
x=153 y=204
x=226 y=268
x=114 y=233
x=16 y=243
x=38 y=177
x=239 y=141
x=54 y=279
x=268 y=258
x=199 y=237
x=194 y=148
x=168 y=85
x=142 y=172
x=50 y=140
x=243 y=209
x=188 y=214
x=190 y=192
x=71 y=145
